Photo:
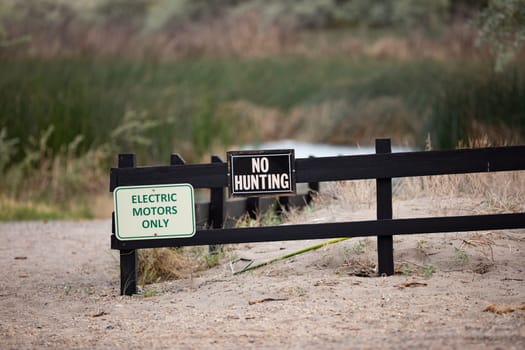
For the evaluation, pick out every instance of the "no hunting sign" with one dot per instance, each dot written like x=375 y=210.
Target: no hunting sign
x=258 y=173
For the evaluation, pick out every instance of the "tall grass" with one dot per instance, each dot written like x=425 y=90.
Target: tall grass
x=479 y=102
x=92 y=98
x=155 y=108
x=68 y=118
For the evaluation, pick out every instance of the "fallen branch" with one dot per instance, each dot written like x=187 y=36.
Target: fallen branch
x=504 y=309
x=411 y=284
x=98 y=314
x=258 y=301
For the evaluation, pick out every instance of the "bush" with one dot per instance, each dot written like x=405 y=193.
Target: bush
x=479 y=102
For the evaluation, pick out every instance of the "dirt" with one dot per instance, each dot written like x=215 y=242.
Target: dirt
x=59 y=288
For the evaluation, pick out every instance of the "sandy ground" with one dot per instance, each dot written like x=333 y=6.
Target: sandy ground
x=59 y=289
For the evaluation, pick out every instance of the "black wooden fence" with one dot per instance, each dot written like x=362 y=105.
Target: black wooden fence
x=382 y=166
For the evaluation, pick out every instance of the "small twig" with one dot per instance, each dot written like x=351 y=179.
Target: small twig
x=98 y=314
x=513 y=279
x=411 y=284
x=258 y=301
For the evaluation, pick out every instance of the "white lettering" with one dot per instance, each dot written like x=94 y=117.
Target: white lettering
x=256 y=165
x=274 y=181
x=265 y=164
x=254 y=185
x=260 y=165
x=237 y=182
x=284 y=181
x=245 y=182
x=253 y=182
x=263 y=180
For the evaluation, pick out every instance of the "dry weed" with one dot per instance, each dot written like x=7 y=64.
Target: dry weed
x=487 y=192
x=252 y=122
x=338 y=201
x=500 y=310
x=350 y=194
x=245 y=33
x=482 y=242
x=155 y=265
x=333 y=121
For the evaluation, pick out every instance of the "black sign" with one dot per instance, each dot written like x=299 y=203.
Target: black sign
x=257 y=173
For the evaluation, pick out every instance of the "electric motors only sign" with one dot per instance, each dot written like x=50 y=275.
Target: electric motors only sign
x=258 y=173
x=156 y=211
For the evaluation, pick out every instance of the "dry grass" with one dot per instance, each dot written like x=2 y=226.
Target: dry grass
x=51 y=184
x=338 y=201
x=482 y=242
x=497 y=192
x=458 y=40
x=447 y=195
x=333 y=121
x=245 y=33
x=487 y=192
x=55 y=176
x=161 y=264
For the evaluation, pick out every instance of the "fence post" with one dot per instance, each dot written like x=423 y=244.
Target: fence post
x=252 y=207
x=176 y=159
x=128 y=257
x=385 y=246
x=216 y=212
x=313 y=189
x=282 y=205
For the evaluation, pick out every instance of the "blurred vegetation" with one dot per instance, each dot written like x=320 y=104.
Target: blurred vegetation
x=502 y=25
x=81 y=81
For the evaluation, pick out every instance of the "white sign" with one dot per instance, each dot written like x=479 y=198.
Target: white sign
x=156 y=211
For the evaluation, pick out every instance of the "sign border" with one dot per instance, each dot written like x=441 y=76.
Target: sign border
x=120 y=238
x=255 y=153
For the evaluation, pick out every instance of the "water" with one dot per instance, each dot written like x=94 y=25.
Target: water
x=307 y=149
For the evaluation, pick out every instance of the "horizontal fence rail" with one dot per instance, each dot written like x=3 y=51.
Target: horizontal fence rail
x=359 y=167
x=383 y=166
x=335 y=230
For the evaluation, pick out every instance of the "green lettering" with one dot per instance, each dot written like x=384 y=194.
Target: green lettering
x=137 y=212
